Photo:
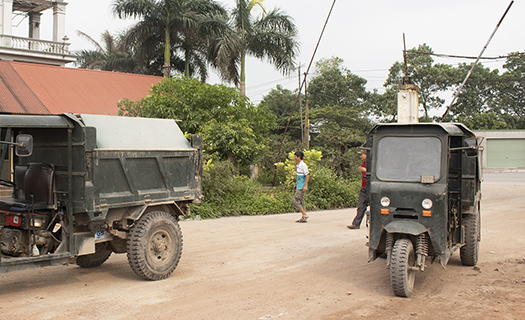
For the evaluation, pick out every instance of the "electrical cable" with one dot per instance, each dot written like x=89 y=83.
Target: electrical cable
x=301 y=87
x=475 y=62
x=464 y=57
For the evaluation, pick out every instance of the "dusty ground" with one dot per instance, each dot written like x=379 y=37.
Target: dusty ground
x=269 y=267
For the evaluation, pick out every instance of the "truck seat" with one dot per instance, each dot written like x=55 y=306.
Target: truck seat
x=36 y=190
x=19 y=177
x=38 y=182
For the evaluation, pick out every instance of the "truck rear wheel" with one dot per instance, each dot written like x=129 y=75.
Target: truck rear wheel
x=93 y=260
x=470 y=251
x=402 y=276
x=154 y=245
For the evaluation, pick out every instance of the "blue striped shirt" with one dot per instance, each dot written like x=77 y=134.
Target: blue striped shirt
x=302 y=171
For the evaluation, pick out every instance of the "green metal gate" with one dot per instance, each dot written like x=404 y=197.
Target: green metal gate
x=505 y=153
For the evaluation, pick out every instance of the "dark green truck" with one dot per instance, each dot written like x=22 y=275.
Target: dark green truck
x=84 y=186
x=424 y=188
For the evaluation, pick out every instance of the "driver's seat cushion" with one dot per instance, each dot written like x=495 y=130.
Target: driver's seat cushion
x=37 y=188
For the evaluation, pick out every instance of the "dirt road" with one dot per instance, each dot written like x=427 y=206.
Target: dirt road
x=268 y=267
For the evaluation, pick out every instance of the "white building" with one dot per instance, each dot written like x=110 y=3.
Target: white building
x=33 y=49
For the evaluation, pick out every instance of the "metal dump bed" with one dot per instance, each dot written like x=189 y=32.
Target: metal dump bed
x=94 y=178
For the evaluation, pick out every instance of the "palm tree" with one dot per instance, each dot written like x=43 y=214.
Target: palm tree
x=112 y=56
x=176 y=26
x=271 y=36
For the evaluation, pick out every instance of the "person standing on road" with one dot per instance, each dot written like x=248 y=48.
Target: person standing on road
x=362 y=203
x=301 y=185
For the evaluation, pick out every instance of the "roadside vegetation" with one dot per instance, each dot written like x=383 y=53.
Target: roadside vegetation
x=184 y=39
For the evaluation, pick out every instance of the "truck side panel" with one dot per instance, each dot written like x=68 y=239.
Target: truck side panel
x=140 y=178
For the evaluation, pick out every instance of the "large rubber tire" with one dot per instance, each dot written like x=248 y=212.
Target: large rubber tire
x=470 y=251
x=93 y=260
x=401 y=277
x=154 y=245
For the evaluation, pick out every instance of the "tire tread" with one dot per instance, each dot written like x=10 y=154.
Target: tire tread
x=136 y=243
x=470 y=251
x=399 y=274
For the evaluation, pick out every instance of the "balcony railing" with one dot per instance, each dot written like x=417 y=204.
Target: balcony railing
x=35 y=45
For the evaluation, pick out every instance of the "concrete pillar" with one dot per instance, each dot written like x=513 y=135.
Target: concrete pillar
x=6 y=14
x=34 y=25
x=59 y=20
x=407 y=104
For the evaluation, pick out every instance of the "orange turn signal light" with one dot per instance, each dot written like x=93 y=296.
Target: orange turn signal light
x=385 y=211
x=427 y=213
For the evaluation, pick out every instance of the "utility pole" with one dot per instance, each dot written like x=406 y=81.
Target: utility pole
x=301 y=105
x=407 y=98
x=307 y=120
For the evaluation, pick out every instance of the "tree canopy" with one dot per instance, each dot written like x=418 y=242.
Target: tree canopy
x=112 y=55
x=489 y=100
x=232 y=127
x=271 y=36
x=173 y=27
x=431 y=78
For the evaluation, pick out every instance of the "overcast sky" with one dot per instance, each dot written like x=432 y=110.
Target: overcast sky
x=367 y=35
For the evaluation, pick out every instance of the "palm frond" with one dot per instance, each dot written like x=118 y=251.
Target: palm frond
x=87 y=37
x=132 y=8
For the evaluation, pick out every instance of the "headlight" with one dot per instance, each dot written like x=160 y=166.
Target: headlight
x=37 y=223
x=385 y=202
x=427 y=204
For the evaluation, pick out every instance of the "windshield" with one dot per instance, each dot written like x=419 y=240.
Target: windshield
x=408 y=158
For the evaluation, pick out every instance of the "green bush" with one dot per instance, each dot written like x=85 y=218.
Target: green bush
x=326 y=191
x=266 y=177
x=228 y=194
x=216 y=176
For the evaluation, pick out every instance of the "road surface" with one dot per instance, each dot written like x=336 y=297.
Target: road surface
x=268 y=267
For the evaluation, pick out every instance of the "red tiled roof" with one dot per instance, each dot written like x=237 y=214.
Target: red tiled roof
x=39 y=89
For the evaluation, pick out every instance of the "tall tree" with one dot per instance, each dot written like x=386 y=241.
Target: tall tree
x=281 y=101
x=195 y=104
x=479 y=93
x=272 y=36
x=174 y=25
x=490 y=100
x=336 y=85
x=431 y=78
x=511 y=86
x=232 y=128
x=339 y=105
x=112 y=55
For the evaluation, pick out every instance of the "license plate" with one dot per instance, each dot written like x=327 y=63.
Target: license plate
x=102 y=235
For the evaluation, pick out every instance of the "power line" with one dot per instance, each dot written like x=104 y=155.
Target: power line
x=465 y=57
x=281 y=83
x=302 y=84
x=370 y=70
x=456 y=94
x=273 y=81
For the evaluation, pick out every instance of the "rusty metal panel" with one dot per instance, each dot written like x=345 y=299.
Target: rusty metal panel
x=63 y=90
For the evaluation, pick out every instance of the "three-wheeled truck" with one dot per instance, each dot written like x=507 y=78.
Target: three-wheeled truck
x=423 y=185
x=83 y=186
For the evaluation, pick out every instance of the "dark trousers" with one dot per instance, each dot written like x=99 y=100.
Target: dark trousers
x=361 y=208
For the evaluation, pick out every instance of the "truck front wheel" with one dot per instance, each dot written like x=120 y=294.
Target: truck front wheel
x=402 y=275
x=154 y=245
x=470 y=251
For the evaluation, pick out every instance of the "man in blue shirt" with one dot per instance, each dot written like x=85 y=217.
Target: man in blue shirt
x=301 y=185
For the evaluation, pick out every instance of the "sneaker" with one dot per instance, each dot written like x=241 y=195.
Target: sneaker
x=352 y=226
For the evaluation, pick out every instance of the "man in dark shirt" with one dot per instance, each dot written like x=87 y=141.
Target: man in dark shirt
x=362 y=203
